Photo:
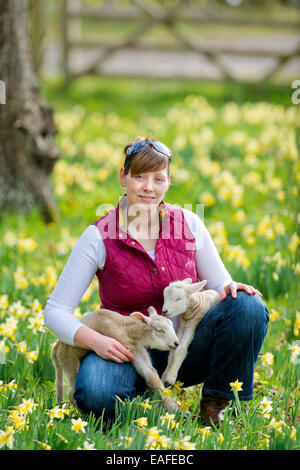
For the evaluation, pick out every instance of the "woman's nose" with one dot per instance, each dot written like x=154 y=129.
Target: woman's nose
x=148 y=185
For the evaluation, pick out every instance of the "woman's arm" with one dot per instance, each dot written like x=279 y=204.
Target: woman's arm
x=75 y=278
x=209 y=264
x=87 y=255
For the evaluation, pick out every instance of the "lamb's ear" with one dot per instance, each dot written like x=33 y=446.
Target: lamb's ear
x=188 y=280
x=152 y=311
x=196 y=286
x=139 y=316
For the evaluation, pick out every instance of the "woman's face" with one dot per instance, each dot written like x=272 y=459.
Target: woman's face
x=146 y=189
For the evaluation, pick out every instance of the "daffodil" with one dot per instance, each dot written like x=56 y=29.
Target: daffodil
x=239 y=216
x=163 y=442
x=208 y=199
x=277 y=425
x=297 y=324
x=184 y=444
x=27 y=406
x=141 y=422
x=36 y=323
x=146 y=404
x=152 y=436
x=184 y=406
x=293 y=433
x=10 y=239
x=11 y=385
x=17 y=419
x=55 y=413
x=125 y=441
x=7 y=438
x=78 y=425
x=295 y=350
x=26 y=245
x=4 y=301
x=206 y=431
x=87 y=446
x=167 y=392
x=21 y=347
x=36 y=305
x=9 y=327
x=178 y=387
x=31 y=355
x=4 y=348
x=274 y=314
x=168 y=418
x=266 y=407
x=267 y=358
x=237 y=386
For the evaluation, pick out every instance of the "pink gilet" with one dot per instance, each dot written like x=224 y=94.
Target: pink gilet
x=130 y=279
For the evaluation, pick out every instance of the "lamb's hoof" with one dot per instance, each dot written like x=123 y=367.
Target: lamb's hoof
x=169 y=382
x=171 y=404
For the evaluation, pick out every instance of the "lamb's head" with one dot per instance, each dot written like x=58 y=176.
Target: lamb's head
x=176 y=296
x=160 y=333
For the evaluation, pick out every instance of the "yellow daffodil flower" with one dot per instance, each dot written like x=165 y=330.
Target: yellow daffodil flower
x=78 y=425
x=141 y=422
x=267 y=358
x=237 y=386
x=7 y=438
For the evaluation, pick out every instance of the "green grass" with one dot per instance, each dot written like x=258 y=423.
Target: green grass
x=251 y=146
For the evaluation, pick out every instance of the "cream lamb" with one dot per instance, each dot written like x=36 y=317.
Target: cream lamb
x=183 y=298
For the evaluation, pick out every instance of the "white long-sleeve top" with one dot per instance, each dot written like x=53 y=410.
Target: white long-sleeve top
x=88 y=255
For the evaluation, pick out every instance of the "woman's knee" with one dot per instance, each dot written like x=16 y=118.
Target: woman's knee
x=249 y=308
x=99 y=381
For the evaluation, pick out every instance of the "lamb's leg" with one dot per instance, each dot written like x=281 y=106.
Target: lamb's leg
x=178 y=356
x=172 y=354
x=144 y=367
x=71 y=375
x=58 y=371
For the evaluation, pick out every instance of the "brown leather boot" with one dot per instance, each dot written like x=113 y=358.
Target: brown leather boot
x=213 y=407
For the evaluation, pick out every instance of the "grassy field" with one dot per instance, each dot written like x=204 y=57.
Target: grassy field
x=236 y=150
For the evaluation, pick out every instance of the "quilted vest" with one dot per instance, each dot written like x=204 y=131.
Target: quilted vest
x=130 y=279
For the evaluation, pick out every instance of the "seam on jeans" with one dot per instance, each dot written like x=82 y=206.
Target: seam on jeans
x=230 y=396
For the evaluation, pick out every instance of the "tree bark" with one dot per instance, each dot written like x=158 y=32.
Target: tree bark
x=27 y=129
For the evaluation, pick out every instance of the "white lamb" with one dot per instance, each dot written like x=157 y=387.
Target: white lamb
x=137 y=332
x=183 y=298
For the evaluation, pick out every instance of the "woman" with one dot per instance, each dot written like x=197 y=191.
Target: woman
x=136 y=250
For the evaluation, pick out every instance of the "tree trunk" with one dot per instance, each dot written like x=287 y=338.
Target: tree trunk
x=27 y=149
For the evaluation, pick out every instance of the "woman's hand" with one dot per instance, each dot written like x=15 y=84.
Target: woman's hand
x=233 y=287
x=112 y=350
x=106 y=347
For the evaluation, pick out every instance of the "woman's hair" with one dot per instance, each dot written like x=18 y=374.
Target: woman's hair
x=146 y=160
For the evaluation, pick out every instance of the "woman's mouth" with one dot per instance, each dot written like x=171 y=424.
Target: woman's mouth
x=147 y=198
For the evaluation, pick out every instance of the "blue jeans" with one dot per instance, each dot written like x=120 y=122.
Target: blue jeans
x=225 y=347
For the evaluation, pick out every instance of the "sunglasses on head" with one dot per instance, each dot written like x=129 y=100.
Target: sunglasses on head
x=138 y=146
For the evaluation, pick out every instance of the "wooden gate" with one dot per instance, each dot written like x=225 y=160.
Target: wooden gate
x=147 y=15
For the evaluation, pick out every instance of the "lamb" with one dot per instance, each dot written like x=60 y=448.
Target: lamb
x=184 y=299
x=136 y=331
